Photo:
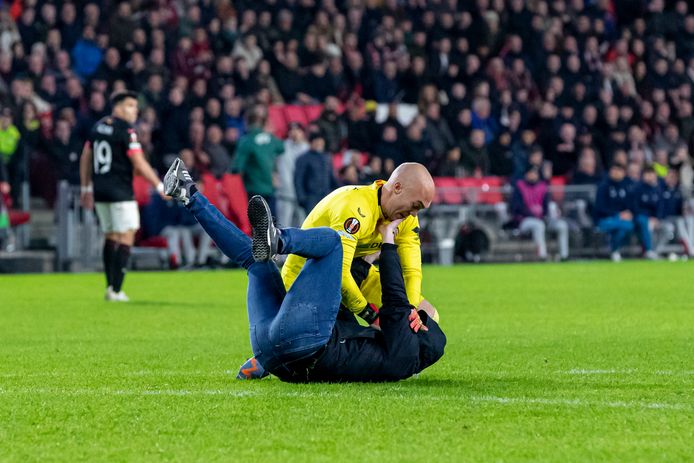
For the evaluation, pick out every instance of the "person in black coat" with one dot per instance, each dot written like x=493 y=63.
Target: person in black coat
x=65 y=151
x=314 y=177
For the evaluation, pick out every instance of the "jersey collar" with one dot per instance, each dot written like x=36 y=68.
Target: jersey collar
x=378 y=186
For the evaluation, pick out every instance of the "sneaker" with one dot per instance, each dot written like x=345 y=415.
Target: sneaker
x=109 y=294
x=252 y=369
x=120 y=296
x=616 y=256
x=265 y=237
x=651 y=255
x=178 y=182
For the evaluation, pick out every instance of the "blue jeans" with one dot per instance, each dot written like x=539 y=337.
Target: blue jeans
x=643 y=232
x=618 y=229
x=284 y=325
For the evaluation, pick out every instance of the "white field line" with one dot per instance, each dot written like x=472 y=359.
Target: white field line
x=523 y=401
x=213 y=373
x=122 y=374
x=629 y=371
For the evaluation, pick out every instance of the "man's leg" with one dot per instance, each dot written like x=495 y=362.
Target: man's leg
x=562 y=228
x=665 y=234
x=229 y=239
x=120 y=263
x=685 y=227
x=285 y=212
x=643 y=231
x=110 y=245
x=618 y=230
x=265 y=288
x=537 y=228
x=188 y=245
x=170 y=233
x=307 y=315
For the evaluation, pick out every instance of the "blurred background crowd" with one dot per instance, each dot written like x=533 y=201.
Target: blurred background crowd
x=469 y=88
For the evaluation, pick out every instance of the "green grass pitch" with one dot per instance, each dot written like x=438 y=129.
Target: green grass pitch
x=556 y=362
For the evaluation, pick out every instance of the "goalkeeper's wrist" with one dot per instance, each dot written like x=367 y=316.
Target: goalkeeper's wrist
x=87 y=188
x=369 y=313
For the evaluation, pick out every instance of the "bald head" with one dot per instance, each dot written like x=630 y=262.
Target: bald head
x=409 y=189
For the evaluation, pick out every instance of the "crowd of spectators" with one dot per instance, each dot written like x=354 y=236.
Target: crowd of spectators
x=570 y=86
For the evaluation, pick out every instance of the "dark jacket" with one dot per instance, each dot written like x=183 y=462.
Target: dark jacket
x=647 y=200
x=612 y=198
x=66 y=157
x=671 y=202
x=356 y=353
x=313 y=178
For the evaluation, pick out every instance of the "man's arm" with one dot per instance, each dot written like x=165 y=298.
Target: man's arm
x=140 y=164
x=145 y=170
x=86 y=187
x=350 y=226
x=409 y=250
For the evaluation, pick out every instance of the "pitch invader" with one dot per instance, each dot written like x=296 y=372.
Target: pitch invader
x=110 y=157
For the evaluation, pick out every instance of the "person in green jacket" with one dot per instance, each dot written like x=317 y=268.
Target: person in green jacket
x=9 y=136
x=255 y=157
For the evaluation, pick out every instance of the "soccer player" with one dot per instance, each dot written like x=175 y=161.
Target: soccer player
x=109 y=157
x=295 y=334
x=355 y=212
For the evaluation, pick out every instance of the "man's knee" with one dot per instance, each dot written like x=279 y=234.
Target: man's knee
x=626 y=226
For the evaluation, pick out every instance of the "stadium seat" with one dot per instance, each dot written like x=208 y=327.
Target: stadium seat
x=469 y=189
x=337 y=161
x=448 y=191
x=557 y=185
x=212 y=190
x=490 y=190
x=141 y=188
x=18 y=218
x=313 y=112
x=237 y=200
x=295 y=114
x=278 y=123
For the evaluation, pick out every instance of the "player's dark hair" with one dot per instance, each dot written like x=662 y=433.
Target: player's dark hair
x=117 y=97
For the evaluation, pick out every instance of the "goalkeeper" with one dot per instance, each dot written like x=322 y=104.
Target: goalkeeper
x=356 y=212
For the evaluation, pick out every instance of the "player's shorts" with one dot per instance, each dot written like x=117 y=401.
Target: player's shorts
x=118 y=217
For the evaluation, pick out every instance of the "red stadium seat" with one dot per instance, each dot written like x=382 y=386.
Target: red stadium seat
x=448 y=191
x=557 y=184
x=313 y=112
x=337 y=161
x=276 y=120
x=142 y=190
x=491 y=190
x=18 y=218
x=237 y=199
x=212 y=190
x=295 y=114
x=470 y=189
x=363 y=159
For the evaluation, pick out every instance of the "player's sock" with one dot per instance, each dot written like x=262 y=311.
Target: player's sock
x=120 y=263
x=108 y=255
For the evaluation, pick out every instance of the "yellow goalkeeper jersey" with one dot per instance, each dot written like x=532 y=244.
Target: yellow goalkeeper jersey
x=354 y=212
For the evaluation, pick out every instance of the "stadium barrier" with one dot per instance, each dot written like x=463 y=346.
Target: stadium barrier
x=468 y=221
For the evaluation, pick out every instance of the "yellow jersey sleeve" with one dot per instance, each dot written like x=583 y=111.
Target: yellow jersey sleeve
x=353 y=220
x=409 y=250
